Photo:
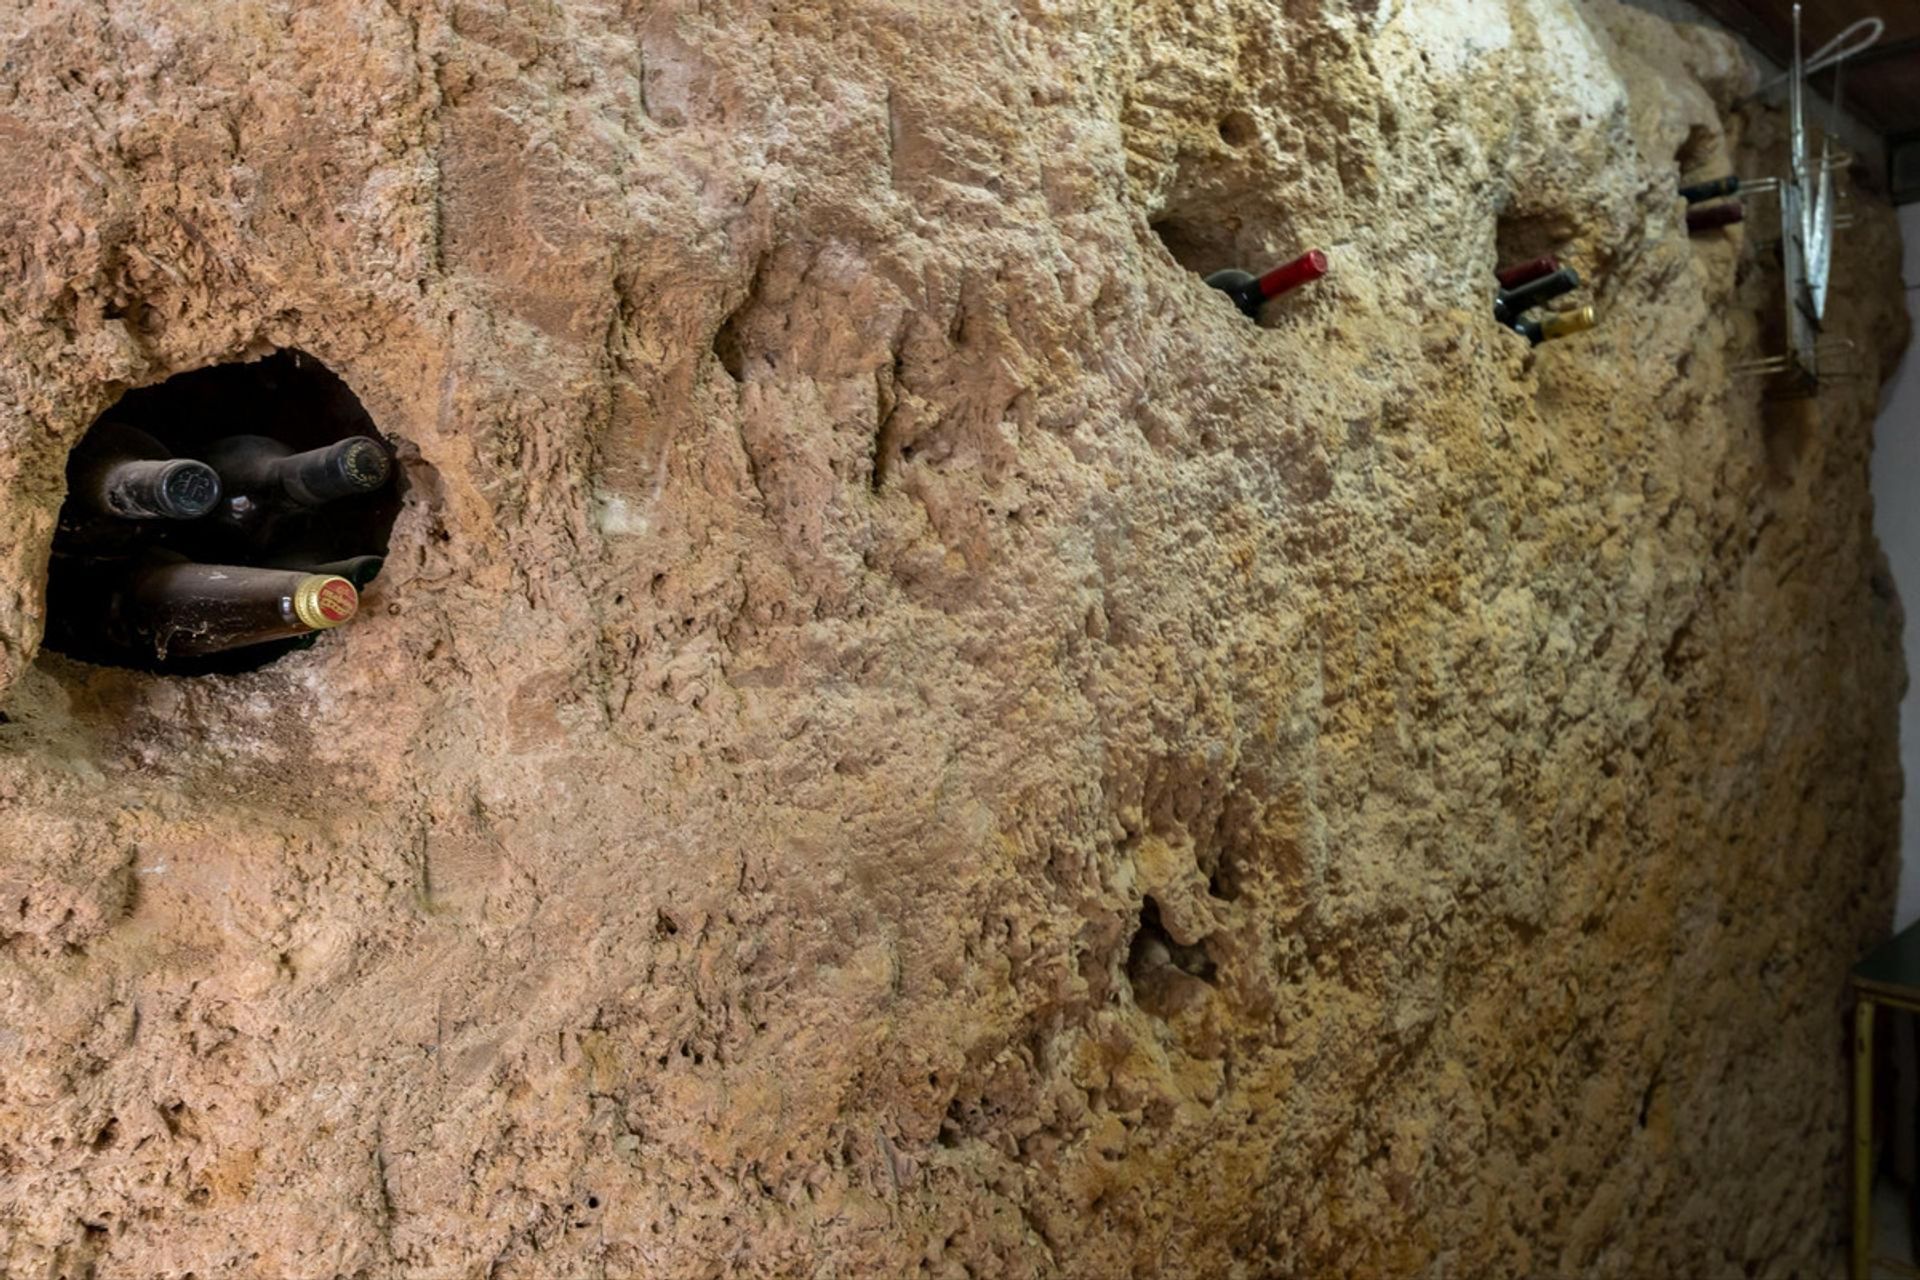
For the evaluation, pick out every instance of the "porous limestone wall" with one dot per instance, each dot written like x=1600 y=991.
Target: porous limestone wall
x=1896 y=510
x=901 y=735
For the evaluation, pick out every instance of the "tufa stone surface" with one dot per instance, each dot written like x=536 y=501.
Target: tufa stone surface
x=902 y=736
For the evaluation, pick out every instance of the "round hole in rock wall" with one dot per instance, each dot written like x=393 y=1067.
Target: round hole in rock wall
x=210 y=518
x=1238 y=129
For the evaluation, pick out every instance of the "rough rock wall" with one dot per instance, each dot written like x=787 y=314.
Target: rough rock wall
x=901 y=735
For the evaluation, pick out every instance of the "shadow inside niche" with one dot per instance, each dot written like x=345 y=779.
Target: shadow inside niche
x=288 y=396
x=1700 y=157
x=1199 y=247
x=1522 y=237
x=1238 y=129
x=1166 y=975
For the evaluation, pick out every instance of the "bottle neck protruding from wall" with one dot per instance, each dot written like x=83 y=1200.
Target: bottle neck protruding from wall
x=1250 y=292
x=268 y=470
x=124 y=473
x=1712 y=189
x=1509 y=304
x=1714 y=216
x=1563 y=325
x=1519 y=273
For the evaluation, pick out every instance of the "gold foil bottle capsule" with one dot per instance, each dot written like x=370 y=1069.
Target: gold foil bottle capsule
x=324 y=600
x=1561 y=325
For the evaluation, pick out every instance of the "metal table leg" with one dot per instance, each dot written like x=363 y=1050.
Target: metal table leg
x=1862 y=1137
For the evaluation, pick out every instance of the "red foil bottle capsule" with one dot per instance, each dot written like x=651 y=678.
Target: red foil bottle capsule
x=1715 y=216
x=1525 y=272
x=1250 y=293
x=1308 y=267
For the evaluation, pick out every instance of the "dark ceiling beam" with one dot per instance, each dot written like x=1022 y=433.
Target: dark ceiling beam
x=1884 y=50
x=1768 y=24
x=1877 y=83
x=1756 y=29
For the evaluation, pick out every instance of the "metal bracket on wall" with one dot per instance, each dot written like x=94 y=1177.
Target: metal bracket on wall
x=1808 y=218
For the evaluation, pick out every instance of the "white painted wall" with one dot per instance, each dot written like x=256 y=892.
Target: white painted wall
x=1896 y=517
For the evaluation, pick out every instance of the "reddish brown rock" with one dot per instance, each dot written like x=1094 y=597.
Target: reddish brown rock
x=899 y=734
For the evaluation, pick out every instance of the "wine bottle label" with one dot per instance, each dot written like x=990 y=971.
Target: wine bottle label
x=323 y=601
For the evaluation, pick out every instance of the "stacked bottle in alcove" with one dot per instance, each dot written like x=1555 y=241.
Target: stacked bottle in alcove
x=161 y=558
x=1527 y=285
x=1704 y=215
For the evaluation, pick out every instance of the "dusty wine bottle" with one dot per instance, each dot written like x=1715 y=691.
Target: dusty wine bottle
x=267 y=485
x=1509 y=304
x=1561 y=325
x=163 y=607
x=1712 y=189
x=1249 y=292
x=121 y=471
x=1526 y=272
x=267 y=470
x=1715 y=216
